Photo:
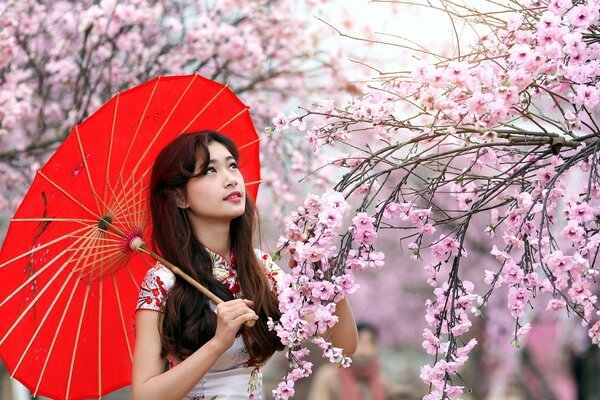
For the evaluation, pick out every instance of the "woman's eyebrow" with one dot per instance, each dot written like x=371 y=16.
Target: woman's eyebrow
x=212 y=160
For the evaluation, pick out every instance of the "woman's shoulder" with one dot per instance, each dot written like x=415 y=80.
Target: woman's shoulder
x=153 y=290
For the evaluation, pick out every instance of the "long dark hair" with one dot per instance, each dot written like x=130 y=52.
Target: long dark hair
x=188 y=321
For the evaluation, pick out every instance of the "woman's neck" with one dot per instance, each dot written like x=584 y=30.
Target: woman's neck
x=215 y=236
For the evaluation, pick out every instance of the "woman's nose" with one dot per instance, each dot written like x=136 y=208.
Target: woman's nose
x=230 y=178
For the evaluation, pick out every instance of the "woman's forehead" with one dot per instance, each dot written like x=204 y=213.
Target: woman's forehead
x=218 y=152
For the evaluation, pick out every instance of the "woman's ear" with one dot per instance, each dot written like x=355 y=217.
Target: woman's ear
x=180 y=199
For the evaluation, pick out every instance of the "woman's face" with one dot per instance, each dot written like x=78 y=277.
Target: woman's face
x=219 y=194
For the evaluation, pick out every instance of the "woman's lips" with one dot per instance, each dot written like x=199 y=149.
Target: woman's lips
x=234 y=196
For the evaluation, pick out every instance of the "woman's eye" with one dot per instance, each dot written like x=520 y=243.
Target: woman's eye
x=233 y=165
x=210 y=170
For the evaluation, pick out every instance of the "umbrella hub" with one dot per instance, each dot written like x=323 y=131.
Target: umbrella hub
x=132 y=241
x=105 y=222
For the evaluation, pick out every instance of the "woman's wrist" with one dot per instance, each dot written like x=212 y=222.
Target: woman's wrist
x=217 y=345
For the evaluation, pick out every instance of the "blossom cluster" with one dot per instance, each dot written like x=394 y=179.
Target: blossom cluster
x=318 y=280
x=504 y=131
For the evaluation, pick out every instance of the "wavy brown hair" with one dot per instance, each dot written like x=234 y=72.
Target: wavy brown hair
x=188 y=321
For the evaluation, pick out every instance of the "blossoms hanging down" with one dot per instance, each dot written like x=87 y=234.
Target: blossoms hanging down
x=490 y=150
x=319 y=278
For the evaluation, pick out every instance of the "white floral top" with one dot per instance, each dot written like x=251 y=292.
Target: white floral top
x=234 y=375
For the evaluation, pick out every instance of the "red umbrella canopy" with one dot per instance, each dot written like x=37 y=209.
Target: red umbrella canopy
x=70 y=284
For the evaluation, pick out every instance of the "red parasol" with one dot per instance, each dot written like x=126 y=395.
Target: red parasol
x=69 y=277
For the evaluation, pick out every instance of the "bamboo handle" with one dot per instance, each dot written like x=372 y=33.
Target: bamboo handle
x=189 y=279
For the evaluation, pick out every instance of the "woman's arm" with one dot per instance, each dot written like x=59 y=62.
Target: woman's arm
x=344 y=333
x=149 y=382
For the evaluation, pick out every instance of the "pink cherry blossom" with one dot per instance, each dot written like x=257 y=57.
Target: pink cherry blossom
x=444 y=248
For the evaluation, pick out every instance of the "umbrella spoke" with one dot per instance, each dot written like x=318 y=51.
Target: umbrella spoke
x=60 y=323
x=128 y=197
x=203 y=109
x=137 y=129
x=100 y=303
x=97 y=198
x=87 y=170
x=233 y=119
x=132 y=198
x=136 y=196
x=100 y=339
x=89 y=270
x=42 y=322
x=122 y=317
x=135 y=284
x=157 y=134
x=83 y=306
x=102 y=246
x=35 y=275
x=37 y=296
x=240 y=148
x=67 y=236
x=80 y=204
x=112 y=136
x=106 y=254
x=253 y=183
x=50 y=308
x=118 y=205
x=77 y=220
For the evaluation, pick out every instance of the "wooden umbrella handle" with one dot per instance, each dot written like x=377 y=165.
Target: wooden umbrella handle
x=188 y=279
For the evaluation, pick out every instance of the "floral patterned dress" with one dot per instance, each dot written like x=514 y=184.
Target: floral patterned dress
x=234 y=375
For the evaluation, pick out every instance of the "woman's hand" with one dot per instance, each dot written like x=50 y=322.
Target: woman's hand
x=230 y=316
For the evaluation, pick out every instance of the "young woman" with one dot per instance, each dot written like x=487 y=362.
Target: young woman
x=204 y=223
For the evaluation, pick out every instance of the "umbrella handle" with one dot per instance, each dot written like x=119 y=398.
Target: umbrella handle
x=189 y=279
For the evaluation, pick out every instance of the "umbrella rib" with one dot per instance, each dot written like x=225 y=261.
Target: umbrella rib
x=97 y=198
x=137 y=286
x=85 y=299
x=203 y=108
x=253 y=183
x=62 y=318
x=68 y=195
x=141 y=206
x=233 y=118
x=69 y=235
x=88 y=239
x=137 y=190
x=100 y=339
x=33 y=276
x=119 y=206
x=41 y=325
x=130 y=195
x=149 y=146
x=107 y=254
x=112 y=134
x=81 y=221
x=37 y=296
x=101 y=246
x=138 y=128
x=122 y=317
x=95 y=240
x=240 y=148
x=93 y=266
x=87 y=170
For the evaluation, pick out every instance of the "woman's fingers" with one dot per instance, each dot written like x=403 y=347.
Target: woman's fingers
x=236 y=311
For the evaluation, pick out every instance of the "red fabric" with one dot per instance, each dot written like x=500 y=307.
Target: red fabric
x=370 y=375
x=89 y=300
